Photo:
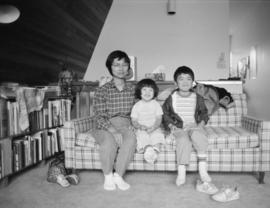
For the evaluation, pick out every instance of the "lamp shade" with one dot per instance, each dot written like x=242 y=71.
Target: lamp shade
x=8 y=14
x=171 y=7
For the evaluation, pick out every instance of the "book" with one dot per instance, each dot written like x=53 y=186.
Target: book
x=38 y=142
x=26 y=152
x=1 y=161
x=10 y=118
x=55 y=112
x=6 y=156
x=3 y=118
x=15 y=148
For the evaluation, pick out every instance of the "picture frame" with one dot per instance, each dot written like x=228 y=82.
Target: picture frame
x=133 y=66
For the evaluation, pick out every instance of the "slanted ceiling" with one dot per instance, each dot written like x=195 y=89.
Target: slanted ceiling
x=48 y=34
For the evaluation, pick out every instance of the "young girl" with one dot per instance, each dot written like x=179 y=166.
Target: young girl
x=146 y=116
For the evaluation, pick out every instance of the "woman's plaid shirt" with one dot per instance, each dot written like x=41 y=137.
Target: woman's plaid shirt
x=110 y=102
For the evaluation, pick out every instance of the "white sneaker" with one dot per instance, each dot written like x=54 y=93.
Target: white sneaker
x=61 y=180
x=120 y=183
x=109 y=184
x=226 y=194
x=180 y=181
x=150 y=155
x=206 y=187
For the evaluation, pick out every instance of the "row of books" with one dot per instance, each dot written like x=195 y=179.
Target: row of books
x=55 y=113
x=30 y=149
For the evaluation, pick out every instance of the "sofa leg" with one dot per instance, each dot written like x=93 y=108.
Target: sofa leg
x=72 y=171
x=261 y=177
x=4 y=181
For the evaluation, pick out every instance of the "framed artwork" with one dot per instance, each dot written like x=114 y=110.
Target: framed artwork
x=133 y=66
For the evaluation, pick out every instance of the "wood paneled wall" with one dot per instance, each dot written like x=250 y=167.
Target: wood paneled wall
x=47 y=35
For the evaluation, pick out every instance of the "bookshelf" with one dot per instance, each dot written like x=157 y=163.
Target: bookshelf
x=30 y=128
x=82 y=93
x=84 y=98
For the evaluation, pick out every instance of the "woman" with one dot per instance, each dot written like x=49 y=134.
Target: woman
x=112 y=105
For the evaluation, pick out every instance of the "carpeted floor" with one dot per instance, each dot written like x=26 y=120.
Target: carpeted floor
x=148 y=190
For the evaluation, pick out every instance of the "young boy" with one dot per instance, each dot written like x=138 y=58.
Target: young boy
x=184 y=115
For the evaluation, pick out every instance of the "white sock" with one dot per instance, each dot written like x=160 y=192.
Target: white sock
x=119 y=181
x=109 y=184
x=203 y=172
x=181 y=177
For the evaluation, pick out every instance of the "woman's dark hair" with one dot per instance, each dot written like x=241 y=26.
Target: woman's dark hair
x=116 y=55
x=183 y=70
x=146 y=83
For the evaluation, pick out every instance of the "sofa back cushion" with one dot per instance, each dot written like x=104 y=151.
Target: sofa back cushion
x=232 y=116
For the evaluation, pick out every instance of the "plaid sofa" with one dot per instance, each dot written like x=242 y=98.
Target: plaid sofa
x=237 y=143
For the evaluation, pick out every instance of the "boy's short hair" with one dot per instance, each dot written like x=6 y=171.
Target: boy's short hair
x=183 y=70
x=146 y=83
x=116 y=55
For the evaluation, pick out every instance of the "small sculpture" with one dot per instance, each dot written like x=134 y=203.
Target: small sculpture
x=65 y=79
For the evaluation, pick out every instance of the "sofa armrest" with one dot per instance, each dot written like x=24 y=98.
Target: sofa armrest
x=73 y=127
x=70 y=130
x=260 y=127
x=80 y=125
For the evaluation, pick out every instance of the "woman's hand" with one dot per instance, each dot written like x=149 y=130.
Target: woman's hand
x=118 y=138
x=136 y=125
x=150 y=129
x=201 y=124
x=117 y=135
x=173 y=128
x=143 y=128
x=190 y=126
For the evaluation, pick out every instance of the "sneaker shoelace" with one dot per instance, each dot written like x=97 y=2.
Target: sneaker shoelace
x=208 y=187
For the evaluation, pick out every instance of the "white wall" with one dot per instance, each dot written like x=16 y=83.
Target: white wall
x=195 y=36
x=249 y=22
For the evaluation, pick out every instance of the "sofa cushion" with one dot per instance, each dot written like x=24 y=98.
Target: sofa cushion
x=86 y=139
x=230 y=138
x=225 y=138
x=218 y=138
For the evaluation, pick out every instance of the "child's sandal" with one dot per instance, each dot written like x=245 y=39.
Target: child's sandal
x=62 y=181
x=73 y=179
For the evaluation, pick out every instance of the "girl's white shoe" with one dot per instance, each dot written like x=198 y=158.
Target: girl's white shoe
x=120 y=183
x=150 y=155
x=109 y=184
